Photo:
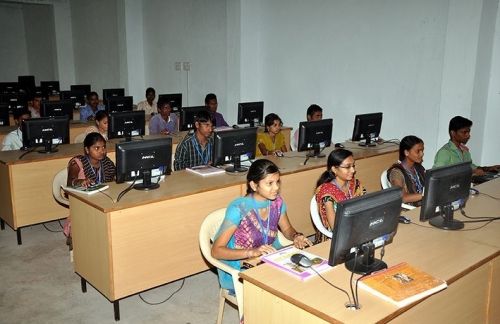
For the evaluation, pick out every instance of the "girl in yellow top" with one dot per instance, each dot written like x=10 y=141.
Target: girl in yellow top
x=272 y=140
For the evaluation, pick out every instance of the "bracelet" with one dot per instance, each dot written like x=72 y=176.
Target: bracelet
x=297 y=234
x=73 y=182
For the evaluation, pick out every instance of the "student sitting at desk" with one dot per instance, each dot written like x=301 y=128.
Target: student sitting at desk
x=88 y=111
x=101 y=124
x=34 y=106
x=336 y=184
x=211 y=104
x=408 y=173
x=93 y=167
x=314 y=112
x=14 y=140
x=165 y=122
x=272 y=140
x=149 y=105
x=250 y=227
x=196 y=149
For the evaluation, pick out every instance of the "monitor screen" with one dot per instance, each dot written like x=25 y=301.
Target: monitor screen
x=142 y=160
x=446 y=189
x=14 y=101
x=9 y=87
x=234 y=146
x=26 y=83
x=4 y=115
x=251 y=113
x=107 y=93
x=85 y=88
x=360 y=221
x=116 y=104
x=46 y=131
x=57 y=108
x=314 y=136
x=175 y=100
x=126 y=124
x=77 y=97
x=188 y=115
x=49 y=88
x=367 y=127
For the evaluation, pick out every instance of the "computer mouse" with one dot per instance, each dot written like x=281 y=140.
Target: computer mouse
x=473 y=191
x=404 y=219
x=236 y=126
x=301 y=260
x=339 y=145
x=278 y=153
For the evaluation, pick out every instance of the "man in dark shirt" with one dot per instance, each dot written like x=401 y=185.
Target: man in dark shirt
x=211 y=104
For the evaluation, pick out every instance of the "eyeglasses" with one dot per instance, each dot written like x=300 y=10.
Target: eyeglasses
x=353 y=166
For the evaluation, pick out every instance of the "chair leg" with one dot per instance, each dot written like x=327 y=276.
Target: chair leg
x=222 y=301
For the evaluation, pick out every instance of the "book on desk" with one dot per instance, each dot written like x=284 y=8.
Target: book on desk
x=205 y=170
x=90 y=190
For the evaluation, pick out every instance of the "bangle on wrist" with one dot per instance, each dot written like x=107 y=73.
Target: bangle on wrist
x=297 y=234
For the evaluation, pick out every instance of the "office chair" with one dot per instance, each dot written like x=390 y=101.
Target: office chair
x=317 y=219
x=384 y=181
x=208 y=229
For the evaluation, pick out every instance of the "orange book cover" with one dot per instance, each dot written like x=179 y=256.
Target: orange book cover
x=402 y=284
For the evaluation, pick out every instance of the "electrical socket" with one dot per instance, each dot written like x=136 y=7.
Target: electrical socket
x=186 y=66
x=177 y=66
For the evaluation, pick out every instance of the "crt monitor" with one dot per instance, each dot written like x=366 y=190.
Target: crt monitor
x=141 y=159
x=250 y=113
x=188 y=115
x=116 y=104
x=45 y=131
x=107 y=93
x=49 y=88
x=126 y=124
x=9 y=87
x=85 y=88
x=77 y=97
x=445 y=189
x=315 y=135
x=360 y=221
x=367 y=127
x=4 y=115
x=57 y=108
x=230 y=145
x=175 y=100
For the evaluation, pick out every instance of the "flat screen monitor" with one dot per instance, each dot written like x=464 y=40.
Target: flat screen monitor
x=116 y=104
x=446 y=189
x=45 y=131
x=57 y=108
x=233 y=145
x=49 y=88
x=26 y=83
x=14 y=101
x=175 y=100
x=251 y=113
x=140 y=159
x=107 y=93
x=4 y=115
x=360 y=221
x=77 y=97
x=126 y=124
x=9 y=87
x=367 y=128
x=314 y=136
x=188 y=115
x=85 y=88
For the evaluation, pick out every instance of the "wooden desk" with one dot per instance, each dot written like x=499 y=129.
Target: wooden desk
x=151 y=238
x=468 y=260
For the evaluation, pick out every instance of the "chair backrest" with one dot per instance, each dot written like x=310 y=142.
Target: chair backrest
x=385 y=183
x=317 y=219
x=59 y=181
x=80 y=138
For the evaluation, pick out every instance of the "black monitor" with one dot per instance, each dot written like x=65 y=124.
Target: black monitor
x=250 y=113
x=77 y=97
x=188 y=115
x=26 y=83
x=175 y=100
x=45 y=132
x=9 y=87
x=446 y=189
x=126 y=124
x=360 y=221
x=231 y=144
x=57 y=108
x=367 y=127
x=315 y=135
x=137 y=160
x=116 y=104
x=85 y=88
x=14 y=101
x=49 y=88
x=107 y=93
x=4 y=115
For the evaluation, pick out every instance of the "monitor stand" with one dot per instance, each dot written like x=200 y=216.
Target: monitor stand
x=48 y=147
x=315 y=152
x=236 y=168
x=444 y=220
x=366 y=263
x=368 y=141
x=146 y=182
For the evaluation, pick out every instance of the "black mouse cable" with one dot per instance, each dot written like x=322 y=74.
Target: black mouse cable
x=166 y=299
x=338 y=288
x=27 y=152
x=127 y=189
x=477 y=219
x=492 y=197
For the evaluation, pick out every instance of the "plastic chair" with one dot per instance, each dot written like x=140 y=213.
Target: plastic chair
x=80 y=138
x=208 y=229
x=317 y=219
x=384 y=181
x=58 y=183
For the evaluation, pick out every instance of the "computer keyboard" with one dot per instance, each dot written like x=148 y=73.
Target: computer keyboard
x=486 y=177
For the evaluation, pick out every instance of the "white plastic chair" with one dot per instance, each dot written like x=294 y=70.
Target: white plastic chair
x=58 y=184
x=384 y=181
x=80 y=138
x=208 y=229
x=317 y=219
